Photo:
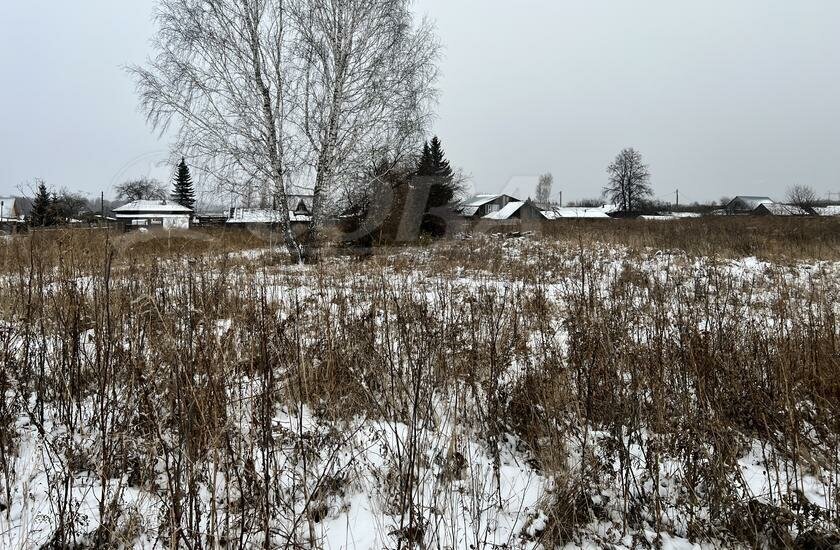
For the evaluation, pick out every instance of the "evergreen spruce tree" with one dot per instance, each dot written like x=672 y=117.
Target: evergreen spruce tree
x=444 y=188
x=434 y=165
x=43 y=208
x=424 y=165
x=184 y=193
x=439 y=162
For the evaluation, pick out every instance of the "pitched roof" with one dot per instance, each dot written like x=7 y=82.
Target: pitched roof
x=783 y=210
x=479 y=200
x=668 y=216
x=833 y=210
x=575 y=212
x=505 y=213
x=295 y=200
x=750 y=202
x=264 y=215
x=470 y=206
x=152 y=207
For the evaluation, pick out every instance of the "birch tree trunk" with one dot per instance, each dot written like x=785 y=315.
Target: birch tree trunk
x=369 y=86
x=221 y=77
x=264 y=92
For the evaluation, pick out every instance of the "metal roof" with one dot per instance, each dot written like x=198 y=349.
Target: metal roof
x=827 y=210
x=479 y=200
x=506 y=212
x=264 y=215
x=784 y=210
x=153 y=207
x=575 y=212
x=749 y=202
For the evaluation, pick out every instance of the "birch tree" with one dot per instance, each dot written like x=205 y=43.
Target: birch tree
x=268 y=90
x=368 y=76
x=221 y=77
x=544 y=188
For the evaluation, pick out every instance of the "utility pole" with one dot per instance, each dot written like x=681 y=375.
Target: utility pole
x=561 y=199
x=678 y=198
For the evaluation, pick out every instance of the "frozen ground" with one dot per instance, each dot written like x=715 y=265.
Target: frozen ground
x=427 y=470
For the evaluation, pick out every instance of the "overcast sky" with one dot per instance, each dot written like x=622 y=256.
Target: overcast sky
x=722 y=97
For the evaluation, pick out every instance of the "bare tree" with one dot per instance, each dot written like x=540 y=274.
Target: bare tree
x=544 y=188
x=222 y=74
x=368 y=74
x=270 y=90
x=629 y=181
x=141 y=189
x=802 y=195
x=69 y=205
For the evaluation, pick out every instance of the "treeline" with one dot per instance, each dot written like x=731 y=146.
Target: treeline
x=51 y=207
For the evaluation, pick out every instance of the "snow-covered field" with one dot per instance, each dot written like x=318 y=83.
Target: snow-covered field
x=487 y=393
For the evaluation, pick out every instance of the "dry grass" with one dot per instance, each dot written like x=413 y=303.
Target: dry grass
x=167 y=363
x=727 y=236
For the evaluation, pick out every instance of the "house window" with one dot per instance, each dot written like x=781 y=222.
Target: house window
x=493 y=208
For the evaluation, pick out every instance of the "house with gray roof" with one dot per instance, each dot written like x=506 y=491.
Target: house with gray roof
x=831 y=210
x=300 y=212
x=745 y=204
x=776 y=209
x=578 y=212
x=480 y=206
x=517 y=210
x=154 y=214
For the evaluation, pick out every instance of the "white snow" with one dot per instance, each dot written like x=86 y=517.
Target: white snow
x=151 y=207
x=505 y=213
x=264 y=216
x=473 y=507
x=576 y=212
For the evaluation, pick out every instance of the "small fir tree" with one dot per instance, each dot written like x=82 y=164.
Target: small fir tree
x=43 y=208
x=184 y=192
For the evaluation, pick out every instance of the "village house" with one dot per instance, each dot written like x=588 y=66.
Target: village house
x=11 y=209
x=300 y=208
x=517 y=210
x=575 y=212
x=480 y=206
x=744 y=204
x=154 y=214
x=776 y=209
x=831 y=210
x=300 y=214
x=12 y=214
